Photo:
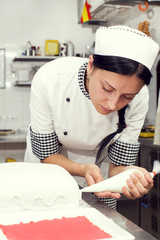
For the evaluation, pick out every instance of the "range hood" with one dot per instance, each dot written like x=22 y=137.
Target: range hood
x=132 y=2
x=107 y=10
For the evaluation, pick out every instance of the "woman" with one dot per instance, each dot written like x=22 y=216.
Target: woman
x=76 y=105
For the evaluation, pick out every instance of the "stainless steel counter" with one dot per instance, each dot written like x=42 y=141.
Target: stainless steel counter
x=120 y=220
x=21 y=137
x=13 y=138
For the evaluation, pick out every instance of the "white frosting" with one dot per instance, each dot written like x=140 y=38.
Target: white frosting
x=48 y=188
x=35 y=186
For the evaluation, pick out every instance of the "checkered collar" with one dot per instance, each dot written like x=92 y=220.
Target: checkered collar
x=81 y=78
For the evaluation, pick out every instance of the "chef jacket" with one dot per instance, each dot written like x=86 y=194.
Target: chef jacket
x=64 y=119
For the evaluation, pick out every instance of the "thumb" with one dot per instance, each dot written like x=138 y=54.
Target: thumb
x=94 y=178
x=90 y=180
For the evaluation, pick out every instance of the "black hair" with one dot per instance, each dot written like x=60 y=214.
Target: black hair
x=122 y=66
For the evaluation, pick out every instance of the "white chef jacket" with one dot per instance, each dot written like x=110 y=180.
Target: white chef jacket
x=61 y=109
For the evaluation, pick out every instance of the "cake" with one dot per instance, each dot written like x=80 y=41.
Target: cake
x=32 y=191
x=30 y=186
x=43 y=202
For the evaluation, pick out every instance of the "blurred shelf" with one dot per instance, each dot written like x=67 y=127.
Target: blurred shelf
x=13 y=138
x=35 y=58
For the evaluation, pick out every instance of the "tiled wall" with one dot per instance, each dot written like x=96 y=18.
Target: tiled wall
x=27 y=20
x=36 y=21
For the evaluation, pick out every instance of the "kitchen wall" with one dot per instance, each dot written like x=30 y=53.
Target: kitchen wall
x=37 y=20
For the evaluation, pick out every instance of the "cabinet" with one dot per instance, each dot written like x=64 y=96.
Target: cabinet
x=150 y=204
x=12 y=146
x=145 y=212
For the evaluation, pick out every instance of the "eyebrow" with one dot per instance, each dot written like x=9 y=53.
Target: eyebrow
x=123 y=93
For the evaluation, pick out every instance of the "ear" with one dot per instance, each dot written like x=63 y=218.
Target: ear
x=90 y=64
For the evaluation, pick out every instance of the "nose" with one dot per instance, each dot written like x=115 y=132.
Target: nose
x=113 y=103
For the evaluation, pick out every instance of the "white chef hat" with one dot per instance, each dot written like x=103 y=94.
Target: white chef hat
x=123 y=41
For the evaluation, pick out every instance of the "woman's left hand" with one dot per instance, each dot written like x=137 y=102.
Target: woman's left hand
x=138 y=185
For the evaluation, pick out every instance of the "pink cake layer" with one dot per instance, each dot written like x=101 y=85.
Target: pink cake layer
x=59 y=229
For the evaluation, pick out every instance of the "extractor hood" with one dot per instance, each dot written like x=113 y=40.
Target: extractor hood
x=132 y=2
x=107 y=10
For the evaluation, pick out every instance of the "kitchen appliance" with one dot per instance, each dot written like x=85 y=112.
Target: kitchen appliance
x=24 y=68
x=63 y=49
x=158 y=78
x=51 y=48
x=21 y=72
x=70 y=48
x=2 y=67
x=67 y=49
x=103 y=11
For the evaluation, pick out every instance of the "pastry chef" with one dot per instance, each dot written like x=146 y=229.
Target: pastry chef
x=87 y=114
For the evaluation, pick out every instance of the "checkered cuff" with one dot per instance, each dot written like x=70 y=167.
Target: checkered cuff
x=121 y=153
x=44 y=145
x=110 y=202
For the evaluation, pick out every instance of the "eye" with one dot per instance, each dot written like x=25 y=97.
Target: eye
x=106 y=90
x=128 y=98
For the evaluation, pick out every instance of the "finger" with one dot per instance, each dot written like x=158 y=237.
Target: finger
x=98 y=178
x=90 y=180
x=127 y=193
x=146 y=181
x=108 y=195
x=136 y=177
x=138 y=185
x=135 y=187
x=93 y=175
x=140 y=182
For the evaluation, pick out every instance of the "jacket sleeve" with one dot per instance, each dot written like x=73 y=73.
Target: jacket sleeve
x=41 y=114
x=44 y=140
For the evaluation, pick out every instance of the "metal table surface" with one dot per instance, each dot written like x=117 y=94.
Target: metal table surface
x=13 y=138
x=120 y=220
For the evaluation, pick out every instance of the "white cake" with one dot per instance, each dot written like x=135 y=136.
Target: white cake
x=35 y=186
x=34 y=192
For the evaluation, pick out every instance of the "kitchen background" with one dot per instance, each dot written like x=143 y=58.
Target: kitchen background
x=36 y=21
x=39 y=20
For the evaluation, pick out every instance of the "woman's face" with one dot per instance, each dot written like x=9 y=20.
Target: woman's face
x=110 y=91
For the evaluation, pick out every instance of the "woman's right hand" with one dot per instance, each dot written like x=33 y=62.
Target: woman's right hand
x=92 y=173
